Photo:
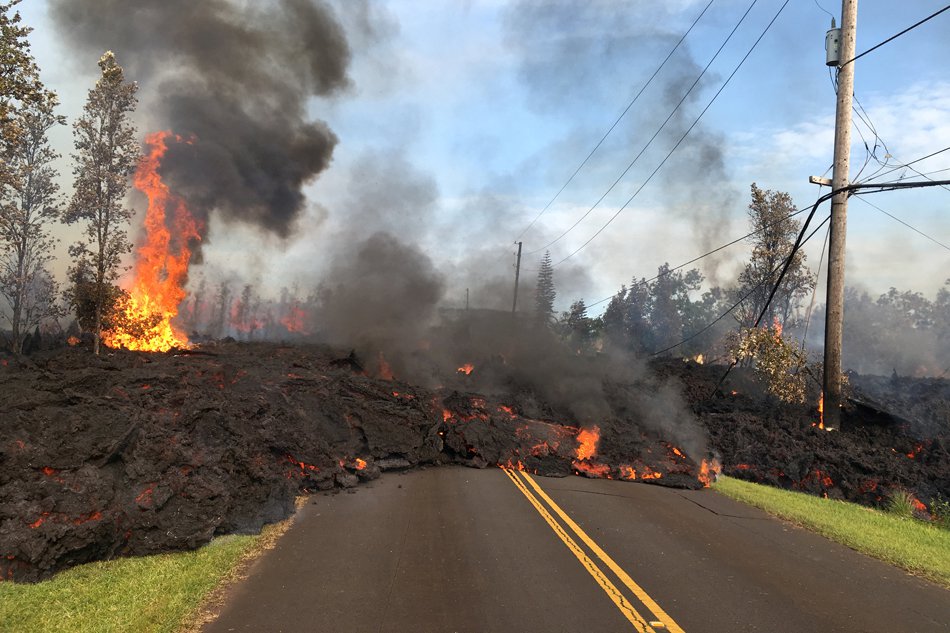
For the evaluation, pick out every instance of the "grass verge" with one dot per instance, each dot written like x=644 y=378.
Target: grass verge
x=167 y=593
x=918 y=547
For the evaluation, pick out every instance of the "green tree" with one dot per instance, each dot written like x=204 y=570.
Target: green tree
x=775 y=234
x=29 y=204
x=544 y=292
x=106 y=155
x=671 y=303
x=578 y=327
x=19 y=83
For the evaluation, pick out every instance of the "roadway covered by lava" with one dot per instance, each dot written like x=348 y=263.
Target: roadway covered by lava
x=136 y=453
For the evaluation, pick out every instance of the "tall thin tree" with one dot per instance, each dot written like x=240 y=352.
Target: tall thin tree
x=106 y=155
x=29 y=204
x=544 y=292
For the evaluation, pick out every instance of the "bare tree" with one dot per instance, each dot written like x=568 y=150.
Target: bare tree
x=106 y=155
x=28 y=205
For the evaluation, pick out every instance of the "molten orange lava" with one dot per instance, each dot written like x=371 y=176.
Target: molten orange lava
x=587 y=439
x=447 y=415
x=360 y=463
x=466 y=369
x=508 y=410
x=385 y=371
x=161 y=262
x=709 y=471
x=594 y=470
x=821 y=412
x=627 y=472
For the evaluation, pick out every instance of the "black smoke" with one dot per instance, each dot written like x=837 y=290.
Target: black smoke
x=235 y=76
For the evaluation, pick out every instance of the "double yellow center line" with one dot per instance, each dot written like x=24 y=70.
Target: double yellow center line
x=662 y=621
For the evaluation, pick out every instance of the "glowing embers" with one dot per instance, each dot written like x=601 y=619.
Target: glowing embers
x=466 y=369
x=821 y=412
x=587 y=440
x=144 y=318
x=587 y=443
x=709 y=471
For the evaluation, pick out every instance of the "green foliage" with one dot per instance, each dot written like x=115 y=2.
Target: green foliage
x=774 y=237
x=544 y=292
x=778 y=363
x=900 y=503
x=916 y=546
x=83 y=299
x=149 y=594
x=940 y=511
x=19 y=81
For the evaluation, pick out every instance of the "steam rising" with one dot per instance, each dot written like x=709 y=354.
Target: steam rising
x=236 y=77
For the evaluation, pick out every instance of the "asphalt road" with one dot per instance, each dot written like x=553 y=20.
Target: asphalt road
x=455 y=549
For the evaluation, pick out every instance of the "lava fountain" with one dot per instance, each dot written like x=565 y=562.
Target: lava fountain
x=161 y=263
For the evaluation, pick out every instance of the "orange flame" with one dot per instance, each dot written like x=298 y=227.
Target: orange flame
x=72 y=341
x=916 y=451
x=918 y=505
x=466 y=369
x=360 y=463
x=161 y=263
x=506 y=409
x=385 y=371
x=821 y=412
x=294 y=321
x=709 y=471
x=594 y=470
x=777 y=327
x=447 y=415
x=587 y=439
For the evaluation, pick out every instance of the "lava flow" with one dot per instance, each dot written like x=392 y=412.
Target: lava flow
x=161 y=263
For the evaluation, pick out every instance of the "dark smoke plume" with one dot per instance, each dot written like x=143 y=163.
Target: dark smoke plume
x=237 y=77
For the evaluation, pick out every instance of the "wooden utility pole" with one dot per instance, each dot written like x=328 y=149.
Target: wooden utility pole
x=514 y=304
x=834 y=311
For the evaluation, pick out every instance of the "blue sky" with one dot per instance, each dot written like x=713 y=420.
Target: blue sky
x=464 y=118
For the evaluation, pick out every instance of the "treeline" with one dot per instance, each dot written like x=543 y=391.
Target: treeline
x=673 y=314
x=31 y=204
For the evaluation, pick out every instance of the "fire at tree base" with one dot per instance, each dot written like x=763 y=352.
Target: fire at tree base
x=135 y=453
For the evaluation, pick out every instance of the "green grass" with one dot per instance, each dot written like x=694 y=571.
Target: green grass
x=147 y=594
x=920 y=548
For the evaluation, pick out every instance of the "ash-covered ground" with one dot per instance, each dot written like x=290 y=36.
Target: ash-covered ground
x=137 y=453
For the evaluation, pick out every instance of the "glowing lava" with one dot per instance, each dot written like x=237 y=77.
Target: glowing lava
x=587 y=440
x=161 y=262
x=709 y=471
x=466 y=369
x=821 y=412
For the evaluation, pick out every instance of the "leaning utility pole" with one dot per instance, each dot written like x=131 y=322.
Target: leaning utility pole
x=514 y=304
x=834 y=311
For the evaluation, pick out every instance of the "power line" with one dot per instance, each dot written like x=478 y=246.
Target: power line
x=916 y=230
x=682 y=138
x=712 y=252
x=652 y=138
x=905 y=165
x=894 y=37
x=615 y=123
x=783 y=265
